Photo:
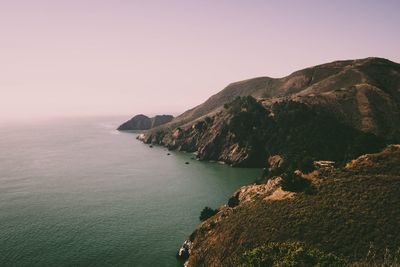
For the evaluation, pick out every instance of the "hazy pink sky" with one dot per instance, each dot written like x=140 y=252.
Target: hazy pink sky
x=96 y=57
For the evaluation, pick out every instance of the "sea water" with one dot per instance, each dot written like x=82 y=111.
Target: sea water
x=76 y=192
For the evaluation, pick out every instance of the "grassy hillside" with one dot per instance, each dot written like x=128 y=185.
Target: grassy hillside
x=353 y=208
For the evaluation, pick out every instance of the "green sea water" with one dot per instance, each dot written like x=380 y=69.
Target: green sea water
x=75 y=192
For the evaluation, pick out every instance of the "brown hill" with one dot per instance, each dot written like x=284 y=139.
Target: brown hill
x=336 y=103
x=364 y=93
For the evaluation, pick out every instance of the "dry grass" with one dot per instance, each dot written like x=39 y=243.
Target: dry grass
x=351 y=209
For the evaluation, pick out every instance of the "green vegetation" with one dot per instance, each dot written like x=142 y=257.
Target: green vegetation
x=289 y=254
x=160 y=135
x=353 y=207
x=233 y=201
x=300 y=133
x=249 y=121
x=388 y=259
x=206 y=213
x=295 y=183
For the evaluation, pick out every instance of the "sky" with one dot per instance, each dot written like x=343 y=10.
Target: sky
x=119 y=57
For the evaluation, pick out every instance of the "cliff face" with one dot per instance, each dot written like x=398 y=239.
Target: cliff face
x=210 y=139
x=246 y=133
x=351 y=208
x=361 y=94
x=142 y=122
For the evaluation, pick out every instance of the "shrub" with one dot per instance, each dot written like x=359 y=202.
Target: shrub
x=294 y=183
x=233 y=201
x=389 y=258
x=289 y=254
x=208 y=119
x=206 y=213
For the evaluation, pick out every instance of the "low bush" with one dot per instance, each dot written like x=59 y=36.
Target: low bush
x=233 y=201
x=294 y=183
x=206 y=213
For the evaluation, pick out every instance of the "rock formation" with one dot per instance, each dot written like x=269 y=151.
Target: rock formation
x=142 y=122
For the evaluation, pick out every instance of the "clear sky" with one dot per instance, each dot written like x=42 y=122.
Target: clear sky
x=97 y=57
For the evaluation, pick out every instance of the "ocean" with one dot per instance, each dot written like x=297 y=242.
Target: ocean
x=76 y=192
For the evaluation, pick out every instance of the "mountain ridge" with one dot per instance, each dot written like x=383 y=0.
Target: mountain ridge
x=317 y=79
x=358 y=99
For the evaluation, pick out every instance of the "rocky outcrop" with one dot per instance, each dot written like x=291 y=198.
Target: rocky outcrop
x=275 y=162
x=210 y=139
x=184 y=252
x=257 y=191
x=247 y=134
x=378 y=162
x=352 y=208
x=142 y=122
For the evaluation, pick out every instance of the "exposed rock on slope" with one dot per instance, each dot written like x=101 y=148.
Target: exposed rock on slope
x=361 y=94
x=245 y=133
x=377 y=163
x=142 y=122
x=353 y=207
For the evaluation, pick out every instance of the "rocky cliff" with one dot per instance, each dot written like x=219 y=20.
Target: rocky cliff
x=304 y=129
x=246 y=133
x=142 y=122
x=353 y=213
x=362 y=96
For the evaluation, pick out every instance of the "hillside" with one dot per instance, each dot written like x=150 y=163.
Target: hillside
x=304 y=130
x=346 y=107
x=352 y=209
x=364 y=93
x=246 y=134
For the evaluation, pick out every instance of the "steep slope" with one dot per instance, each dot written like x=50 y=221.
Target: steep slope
x=352 y=208
x=365 y=93
x=245 y=133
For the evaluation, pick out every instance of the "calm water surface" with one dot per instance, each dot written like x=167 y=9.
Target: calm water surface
x=78 y=193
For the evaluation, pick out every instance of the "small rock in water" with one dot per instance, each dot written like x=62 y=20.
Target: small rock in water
x=150 y=146
x=184 y=251
x=187 y=162
x=168 y=154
